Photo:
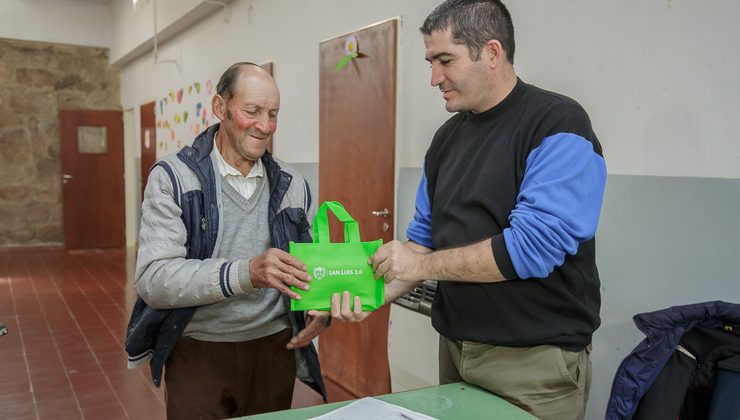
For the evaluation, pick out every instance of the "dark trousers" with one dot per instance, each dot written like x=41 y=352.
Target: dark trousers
x=213 y=380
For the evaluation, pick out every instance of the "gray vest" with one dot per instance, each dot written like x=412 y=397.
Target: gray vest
x=245 y=235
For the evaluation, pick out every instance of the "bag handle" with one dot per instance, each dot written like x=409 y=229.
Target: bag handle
x=321 y=223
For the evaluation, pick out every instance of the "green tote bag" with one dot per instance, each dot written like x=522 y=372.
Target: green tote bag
x=337 y=267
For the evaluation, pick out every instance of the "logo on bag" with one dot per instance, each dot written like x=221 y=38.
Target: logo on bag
x=319 y=273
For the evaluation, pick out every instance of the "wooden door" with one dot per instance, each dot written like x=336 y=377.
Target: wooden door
x=357 y=130
x=92 y=167
x=148 y=142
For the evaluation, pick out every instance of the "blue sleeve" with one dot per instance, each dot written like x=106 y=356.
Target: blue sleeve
x=558 y=204
x=420 y=229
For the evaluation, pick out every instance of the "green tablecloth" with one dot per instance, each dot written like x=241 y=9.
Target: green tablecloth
x=453 y=401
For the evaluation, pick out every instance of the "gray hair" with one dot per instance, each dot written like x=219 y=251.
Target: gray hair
x=473 y=23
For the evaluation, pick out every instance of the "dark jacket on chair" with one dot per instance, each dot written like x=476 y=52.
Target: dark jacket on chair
x=670 y=374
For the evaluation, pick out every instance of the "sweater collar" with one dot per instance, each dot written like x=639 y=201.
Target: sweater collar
x=507 y=103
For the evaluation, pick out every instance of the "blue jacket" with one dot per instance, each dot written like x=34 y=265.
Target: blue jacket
x=664 y=330
x=154 y=332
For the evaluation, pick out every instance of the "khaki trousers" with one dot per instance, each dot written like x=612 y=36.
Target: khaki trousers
x=214 y=380
x=546 y=381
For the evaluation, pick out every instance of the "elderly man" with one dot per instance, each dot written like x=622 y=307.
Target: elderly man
x=213 y=274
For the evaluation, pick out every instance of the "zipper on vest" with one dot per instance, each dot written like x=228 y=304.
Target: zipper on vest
x=203 y=223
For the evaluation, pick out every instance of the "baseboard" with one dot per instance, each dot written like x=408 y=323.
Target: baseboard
x=32 y=247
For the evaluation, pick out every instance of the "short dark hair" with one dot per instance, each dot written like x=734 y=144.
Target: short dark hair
x=227 y=82
x=473 y=23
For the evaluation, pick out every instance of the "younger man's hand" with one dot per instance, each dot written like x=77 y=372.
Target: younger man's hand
x=340 y=308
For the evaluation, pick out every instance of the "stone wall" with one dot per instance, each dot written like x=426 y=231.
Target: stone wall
x=36 y=81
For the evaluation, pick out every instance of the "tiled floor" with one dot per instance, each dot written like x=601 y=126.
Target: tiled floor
x=63 y=357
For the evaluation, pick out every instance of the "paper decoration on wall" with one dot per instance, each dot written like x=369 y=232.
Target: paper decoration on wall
x=351 y=50
x=182 y=115
x=195 y=127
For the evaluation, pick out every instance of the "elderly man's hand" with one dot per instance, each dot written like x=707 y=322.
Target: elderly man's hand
x=279 y=270
x=315 y=323
x=397 y=261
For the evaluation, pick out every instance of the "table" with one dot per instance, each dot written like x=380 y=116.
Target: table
x=452 y=401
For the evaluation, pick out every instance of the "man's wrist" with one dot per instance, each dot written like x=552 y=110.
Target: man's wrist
x=424 y=267
x=245 y=279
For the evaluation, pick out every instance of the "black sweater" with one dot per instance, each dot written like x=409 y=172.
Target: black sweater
x=529 y=174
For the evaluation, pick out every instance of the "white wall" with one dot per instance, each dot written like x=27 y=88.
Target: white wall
x=133 y=29
x=261 y=31
x=655 y=76
x=60 y=21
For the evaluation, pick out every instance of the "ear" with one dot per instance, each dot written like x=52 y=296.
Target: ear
x=493 y=52
x=218 y=107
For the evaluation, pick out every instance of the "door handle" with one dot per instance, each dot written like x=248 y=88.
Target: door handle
x=66 y=178
x=381 y=213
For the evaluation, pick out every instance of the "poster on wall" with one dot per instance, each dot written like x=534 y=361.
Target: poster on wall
x=182 y=114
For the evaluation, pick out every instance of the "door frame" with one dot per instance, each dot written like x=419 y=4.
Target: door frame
x=131 y=176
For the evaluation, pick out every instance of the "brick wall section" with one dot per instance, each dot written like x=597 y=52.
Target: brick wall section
x=36 y=81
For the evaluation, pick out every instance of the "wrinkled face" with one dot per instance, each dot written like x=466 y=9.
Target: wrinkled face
x=463 y=82
x=249 y=118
